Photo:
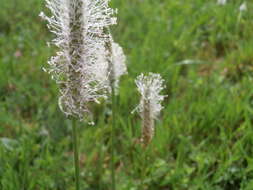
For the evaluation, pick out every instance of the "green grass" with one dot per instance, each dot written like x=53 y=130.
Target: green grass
x=204 y=138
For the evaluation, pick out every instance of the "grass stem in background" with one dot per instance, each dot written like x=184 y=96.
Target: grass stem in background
x=116 y=68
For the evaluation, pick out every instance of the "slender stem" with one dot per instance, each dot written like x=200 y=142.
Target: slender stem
x=112 y=138
x=108 y=46
x=143 y=169
x=76 y=154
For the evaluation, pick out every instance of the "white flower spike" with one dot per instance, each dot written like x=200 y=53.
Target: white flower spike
x=150 y=106
x=78 y=26
x=118 y=67
x=111 y=65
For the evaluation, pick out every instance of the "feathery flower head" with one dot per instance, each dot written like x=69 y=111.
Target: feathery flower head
x=149 y=87
x=111 y=65
x=118 y=67
x=78 y=26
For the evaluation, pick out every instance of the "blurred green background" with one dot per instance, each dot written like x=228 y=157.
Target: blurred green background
x=204 y=137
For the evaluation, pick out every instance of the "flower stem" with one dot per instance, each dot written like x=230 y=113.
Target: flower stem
x=76 y=154
x=112 y=138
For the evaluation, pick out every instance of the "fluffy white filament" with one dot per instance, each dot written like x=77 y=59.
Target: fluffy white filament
x=150 y=106
x=79 y=29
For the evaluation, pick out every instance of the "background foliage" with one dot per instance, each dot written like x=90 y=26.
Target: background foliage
x=204 y=137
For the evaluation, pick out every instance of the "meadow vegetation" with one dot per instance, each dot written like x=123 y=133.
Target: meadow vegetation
x=204 y=136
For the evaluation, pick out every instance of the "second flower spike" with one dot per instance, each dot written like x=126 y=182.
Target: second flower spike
x=149 y=86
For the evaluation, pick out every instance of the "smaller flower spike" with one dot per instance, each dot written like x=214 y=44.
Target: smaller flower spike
x=150 y=106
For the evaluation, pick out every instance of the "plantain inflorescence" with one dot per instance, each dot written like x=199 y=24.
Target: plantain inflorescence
x=79 y=65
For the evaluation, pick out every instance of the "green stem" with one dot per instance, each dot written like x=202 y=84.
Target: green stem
x=76 y=154
x=112 y=138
